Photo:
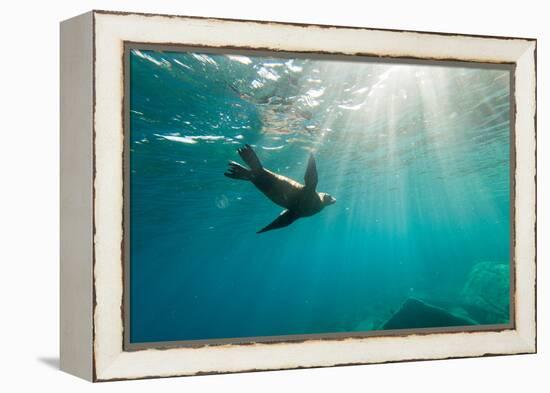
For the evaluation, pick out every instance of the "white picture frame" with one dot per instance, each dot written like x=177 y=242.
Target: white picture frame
x=92 y=195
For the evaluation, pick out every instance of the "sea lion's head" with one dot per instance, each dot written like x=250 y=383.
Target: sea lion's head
x=327 y=199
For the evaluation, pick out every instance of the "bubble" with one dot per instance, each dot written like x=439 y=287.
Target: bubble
x=222 y=201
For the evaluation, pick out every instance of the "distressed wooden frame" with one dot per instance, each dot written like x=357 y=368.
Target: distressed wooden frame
x=92 y=189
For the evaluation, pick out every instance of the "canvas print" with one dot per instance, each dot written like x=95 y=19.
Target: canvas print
x=275 y=196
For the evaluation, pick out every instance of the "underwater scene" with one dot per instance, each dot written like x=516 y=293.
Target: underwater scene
x=287 y=195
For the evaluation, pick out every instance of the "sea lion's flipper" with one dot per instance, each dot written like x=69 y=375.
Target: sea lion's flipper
x=284 y=219
x=249 y=156
x=237 y=171
x=310 y=177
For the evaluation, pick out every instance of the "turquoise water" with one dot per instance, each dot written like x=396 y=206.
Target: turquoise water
x=417 y=157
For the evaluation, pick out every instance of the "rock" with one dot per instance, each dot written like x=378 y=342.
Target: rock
x=415 y=314
x=486 y=295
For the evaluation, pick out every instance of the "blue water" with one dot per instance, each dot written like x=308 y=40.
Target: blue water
x=417 y=157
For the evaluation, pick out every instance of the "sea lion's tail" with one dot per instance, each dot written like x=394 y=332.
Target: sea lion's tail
x=249 y=156
x=237 y=171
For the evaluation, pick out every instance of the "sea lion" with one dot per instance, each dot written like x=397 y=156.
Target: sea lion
x=299 y=200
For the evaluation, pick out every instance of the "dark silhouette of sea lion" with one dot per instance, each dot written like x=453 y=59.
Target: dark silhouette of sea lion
x=298 y=200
